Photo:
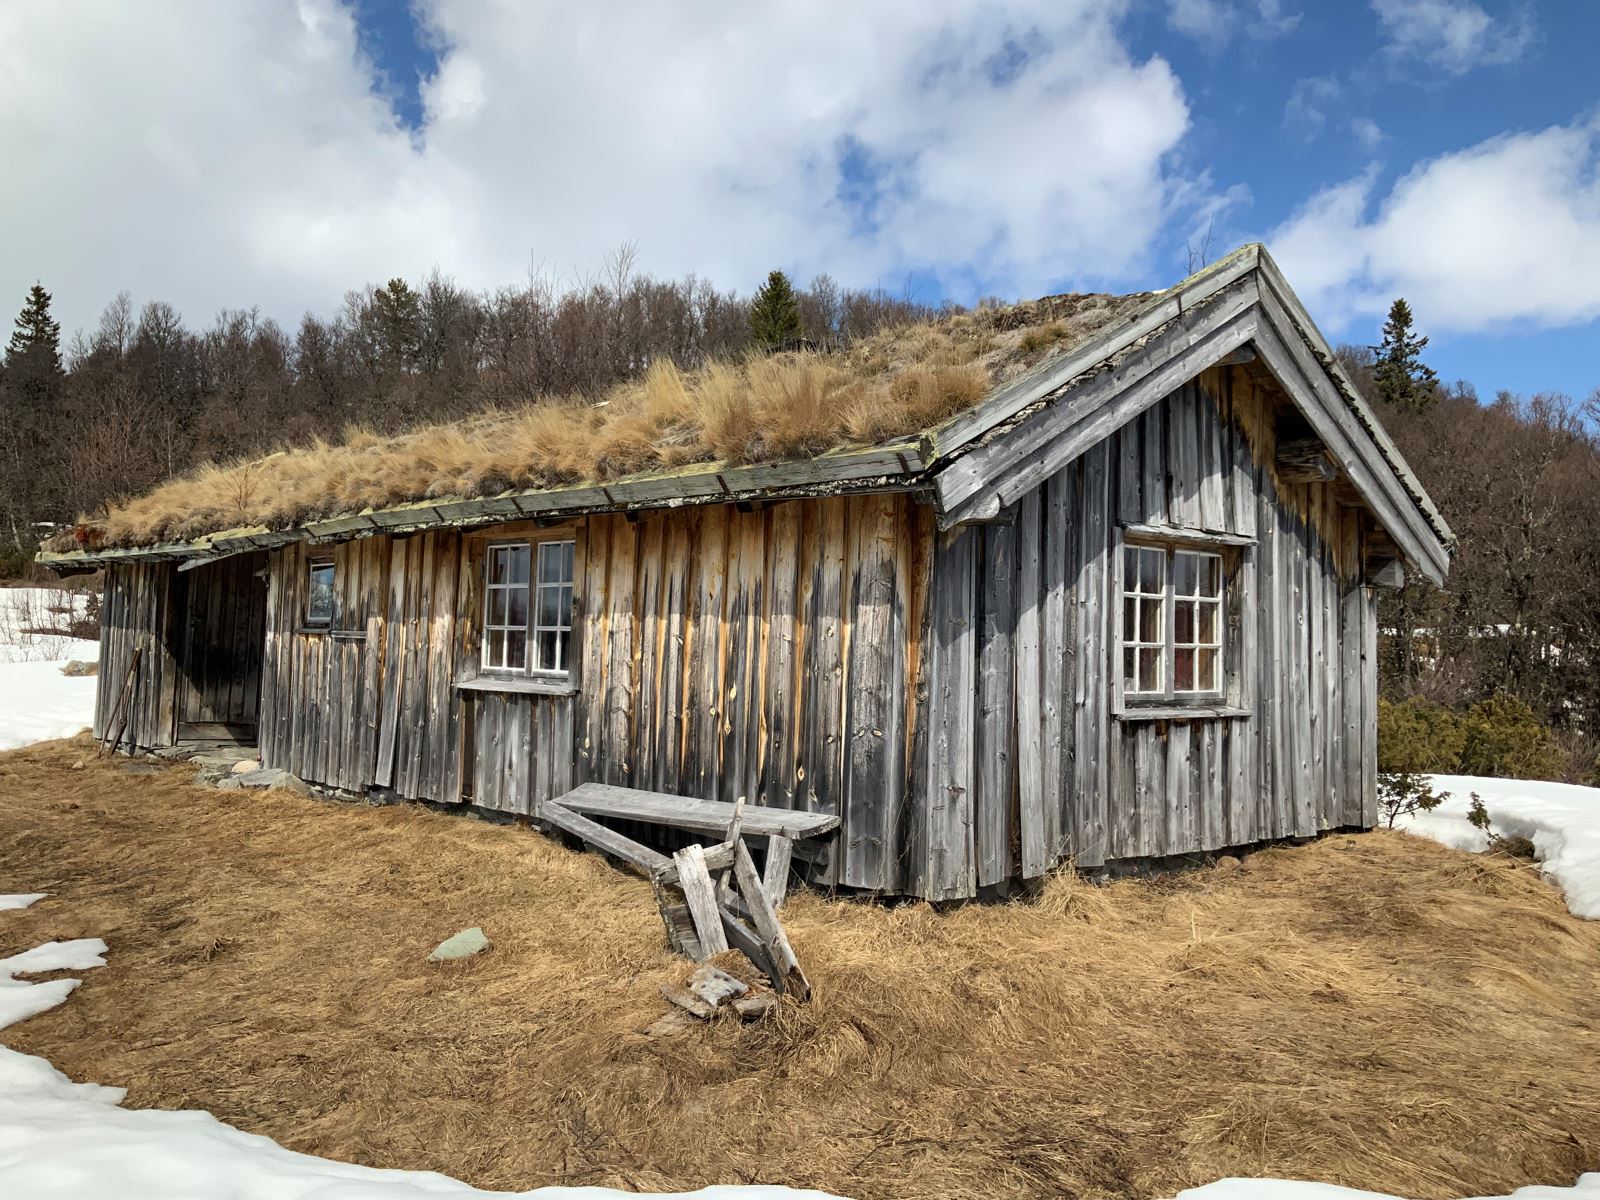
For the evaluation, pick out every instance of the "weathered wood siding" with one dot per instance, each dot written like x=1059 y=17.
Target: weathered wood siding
x=137 y=610
x=1028 y=763
x=768 y=654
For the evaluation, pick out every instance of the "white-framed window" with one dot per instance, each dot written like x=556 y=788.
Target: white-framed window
x=527 y=623
x=319 y=593
x=1172 y=623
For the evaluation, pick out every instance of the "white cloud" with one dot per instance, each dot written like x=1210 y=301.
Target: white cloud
x=227 y=155
x=1368 y=133
x=1217 y=22
x=1305 y=114
x=1507 y=230
x=1452 y=35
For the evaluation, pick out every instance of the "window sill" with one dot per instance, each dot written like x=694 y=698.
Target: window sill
x=338 y=635
x=519 y=685
x=1183 y=712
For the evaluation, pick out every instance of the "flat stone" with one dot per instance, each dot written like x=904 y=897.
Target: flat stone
x=461 y=945
x=274 y=778
x=754 y=1007
x=226 y=783
x=77 y=667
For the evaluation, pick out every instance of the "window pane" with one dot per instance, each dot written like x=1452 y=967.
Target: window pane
x=549 y=562
x=566 y=606
x=1151 y=563
x=497 y=606
x=1210 y=575
x=516 y=649
x=1183 y=574
x=1183 y=670
x=1183 y=621
x=1150 y=621
x=1130 y=568
x=1130 y=676
x=567 y=550
x=319 y=600
x=1149 y=670
x=494 y=652
x=1208 y=623
x=1130 y=620
x=549 y=607
x=1206 y=661
x=519 y=564
x=517 y=607
x=546 y=659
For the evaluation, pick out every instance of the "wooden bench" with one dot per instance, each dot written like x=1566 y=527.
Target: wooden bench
x=691 y=813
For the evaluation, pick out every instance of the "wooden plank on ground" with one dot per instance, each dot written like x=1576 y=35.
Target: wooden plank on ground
x=691 y=813
x=766 y=922
x=608 y=840
x=701 y=896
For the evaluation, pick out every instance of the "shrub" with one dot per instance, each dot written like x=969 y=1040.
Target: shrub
x=1417 y=737
x=1504 y=737
x=1500 y=736
x=1405 y=793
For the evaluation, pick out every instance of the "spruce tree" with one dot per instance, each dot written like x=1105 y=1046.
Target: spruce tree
x=1402 y=378
x=775 y=313
x=35 y=345
x=398 y=308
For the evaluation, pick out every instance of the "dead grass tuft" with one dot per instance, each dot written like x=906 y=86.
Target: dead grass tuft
x=759 y=409
x=1375 y=1010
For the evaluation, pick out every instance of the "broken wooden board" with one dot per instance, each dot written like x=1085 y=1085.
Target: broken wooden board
x=765 y=919
x=693 y=814
x=700 y=894
x=607 y=840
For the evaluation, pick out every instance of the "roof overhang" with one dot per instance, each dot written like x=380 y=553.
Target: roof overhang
x=1015 y=440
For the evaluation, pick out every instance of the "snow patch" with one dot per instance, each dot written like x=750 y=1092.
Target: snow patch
x=21 y=900
x=1587 y=1188
x=20 y=999
x=1562 y=820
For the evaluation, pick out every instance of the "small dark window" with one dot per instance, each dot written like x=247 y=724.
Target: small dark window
x=319 y=594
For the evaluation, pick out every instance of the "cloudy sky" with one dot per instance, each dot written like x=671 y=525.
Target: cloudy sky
x=279 y=152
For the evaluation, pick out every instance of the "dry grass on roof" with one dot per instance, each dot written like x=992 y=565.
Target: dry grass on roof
x=759 y=409
x=1372 y=1010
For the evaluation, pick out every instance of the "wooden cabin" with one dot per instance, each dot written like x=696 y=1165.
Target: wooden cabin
x=1122 y=610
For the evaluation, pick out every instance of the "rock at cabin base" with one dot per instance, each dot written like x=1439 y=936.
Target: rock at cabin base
x=77 y=667
x=274 y=777
x=245 y=766
x=462 y=945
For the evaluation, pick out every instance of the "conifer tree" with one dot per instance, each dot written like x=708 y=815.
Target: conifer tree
x=398 y=308
x=30 y=395
x=775 y=313
x=1401 y=376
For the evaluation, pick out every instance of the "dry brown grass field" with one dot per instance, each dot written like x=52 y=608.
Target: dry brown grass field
x=1370 y=1010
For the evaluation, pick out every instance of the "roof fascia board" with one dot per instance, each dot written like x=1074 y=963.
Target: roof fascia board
x=1094 y=402
x=1289 y=358
x=1278 y=286
x=1016 y=396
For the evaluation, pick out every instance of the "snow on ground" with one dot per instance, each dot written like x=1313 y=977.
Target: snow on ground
x=38 y=702
x=1587 y=1188
x=21 y=901
x=20 y=999
x=1562 y=821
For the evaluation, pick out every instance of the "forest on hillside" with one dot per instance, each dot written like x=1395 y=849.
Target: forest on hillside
x=109 y=412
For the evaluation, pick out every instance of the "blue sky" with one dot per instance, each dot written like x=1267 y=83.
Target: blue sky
x=277 y=154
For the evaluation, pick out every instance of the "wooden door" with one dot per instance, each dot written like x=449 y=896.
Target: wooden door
x=225 y=632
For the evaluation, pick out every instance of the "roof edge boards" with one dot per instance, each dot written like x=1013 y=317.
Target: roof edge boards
x=965 y=428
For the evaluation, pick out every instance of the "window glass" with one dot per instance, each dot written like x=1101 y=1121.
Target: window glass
x=528 y=607
x=1171 y=622
x=319 y=594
